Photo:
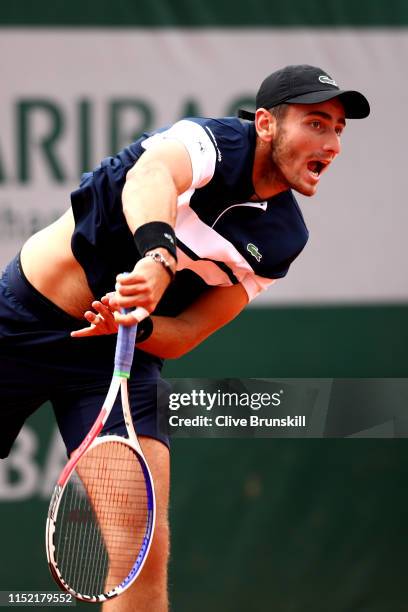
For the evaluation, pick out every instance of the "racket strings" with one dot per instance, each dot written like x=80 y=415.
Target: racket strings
x=102 y=519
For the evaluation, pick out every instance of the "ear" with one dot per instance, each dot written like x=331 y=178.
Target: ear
x=265 y=124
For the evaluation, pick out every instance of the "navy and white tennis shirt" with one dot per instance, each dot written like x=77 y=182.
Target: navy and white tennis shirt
x=222 y=237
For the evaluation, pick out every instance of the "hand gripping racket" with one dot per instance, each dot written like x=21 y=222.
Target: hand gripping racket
x=102 y=512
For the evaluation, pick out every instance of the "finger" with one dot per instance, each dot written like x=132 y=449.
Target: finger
x=85 y=331
x=132 y=301
x=139 y=313
x=92 y=317
x=113 y=303
x=105 y=299
x=130 y=318
x=103 y=310
x=140 y=289
x=105 y=322
x=134 y=287
x=133 y=277
x=124 y=319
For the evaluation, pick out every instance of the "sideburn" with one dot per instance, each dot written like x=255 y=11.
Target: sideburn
x=279 y=152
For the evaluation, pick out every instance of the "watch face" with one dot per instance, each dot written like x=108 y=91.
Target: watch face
x=156 y=256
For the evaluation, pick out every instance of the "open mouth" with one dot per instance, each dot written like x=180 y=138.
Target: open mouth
x=316 y=167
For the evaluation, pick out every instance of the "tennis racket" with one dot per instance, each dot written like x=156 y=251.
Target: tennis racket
x=102 y=512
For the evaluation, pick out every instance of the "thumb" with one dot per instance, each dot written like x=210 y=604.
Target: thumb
x=138 y=314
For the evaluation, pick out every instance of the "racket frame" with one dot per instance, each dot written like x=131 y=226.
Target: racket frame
x=125 y=348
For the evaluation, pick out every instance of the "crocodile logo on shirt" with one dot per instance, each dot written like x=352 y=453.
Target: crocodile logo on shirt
x=251 y=248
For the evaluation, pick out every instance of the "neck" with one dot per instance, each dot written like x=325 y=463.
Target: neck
x=266 y=177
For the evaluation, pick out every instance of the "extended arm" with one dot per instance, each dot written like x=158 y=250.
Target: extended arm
x=152 y=186
x=150 y=193
x=173 y=337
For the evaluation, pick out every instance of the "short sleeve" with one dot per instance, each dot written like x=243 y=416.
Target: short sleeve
x=198 y=144
x=254 y=285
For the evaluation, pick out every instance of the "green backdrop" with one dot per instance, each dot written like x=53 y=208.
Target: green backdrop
x=197 y=13
x=279 y=525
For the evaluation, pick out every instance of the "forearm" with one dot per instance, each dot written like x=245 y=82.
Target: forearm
x=172 y=337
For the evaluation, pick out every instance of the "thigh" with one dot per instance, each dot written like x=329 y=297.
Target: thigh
x=12 y=423
x=158 y=459
x=22 y=391
x=149 y=592
x=76 y=411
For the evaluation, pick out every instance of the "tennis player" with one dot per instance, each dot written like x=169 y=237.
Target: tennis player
x=203 y=217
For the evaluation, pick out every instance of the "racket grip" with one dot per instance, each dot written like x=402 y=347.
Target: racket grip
x=125 y=348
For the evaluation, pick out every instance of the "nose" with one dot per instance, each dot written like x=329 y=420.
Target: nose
x=332 y=144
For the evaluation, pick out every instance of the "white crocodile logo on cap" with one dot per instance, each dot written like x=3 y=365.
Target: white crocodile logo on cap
x=323 y=78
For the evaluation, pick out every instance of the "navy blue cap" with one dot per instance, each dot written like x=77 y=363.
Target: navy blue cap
x=304 y=84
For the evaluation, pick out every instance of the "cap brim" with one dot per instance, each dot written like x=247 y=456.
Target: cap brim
x=356 y=106
x=244 y=114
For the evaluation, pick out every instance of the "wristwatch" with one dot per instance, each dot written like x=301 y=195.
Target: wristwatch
x=159 y=258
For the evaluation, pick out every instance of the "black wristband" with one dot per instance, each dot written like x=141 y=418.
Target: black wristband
x=155 y=234
x=144 y=330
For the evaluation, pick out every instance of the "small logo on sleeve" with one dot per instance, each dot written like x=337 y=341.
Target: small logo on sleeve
x=251 y=248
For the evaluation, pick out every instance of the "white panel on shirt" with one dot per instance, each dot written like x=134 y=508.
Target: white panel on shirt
x=201 y=239
x=198 y=144
x=206 y=242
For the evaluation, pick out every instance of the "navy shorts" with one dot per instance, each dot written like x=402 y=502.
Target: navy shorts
x=39 y=362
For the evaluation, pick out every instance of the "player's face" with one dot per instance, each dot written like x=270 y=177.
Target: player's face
x=307 y=140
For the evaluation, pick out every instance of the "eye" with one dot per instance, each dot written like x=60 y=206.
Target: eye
x=339 y=131
x=315 y=124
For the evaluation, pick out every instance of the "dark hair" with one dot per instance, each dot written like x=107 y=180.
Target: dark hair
x=279 y=111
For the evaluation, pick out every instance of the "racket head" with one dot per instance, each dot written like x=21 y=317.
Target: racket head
x=100 y=522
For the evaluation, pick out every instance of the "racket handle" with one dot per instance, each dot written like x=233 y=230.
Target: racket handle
x=125 y=347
